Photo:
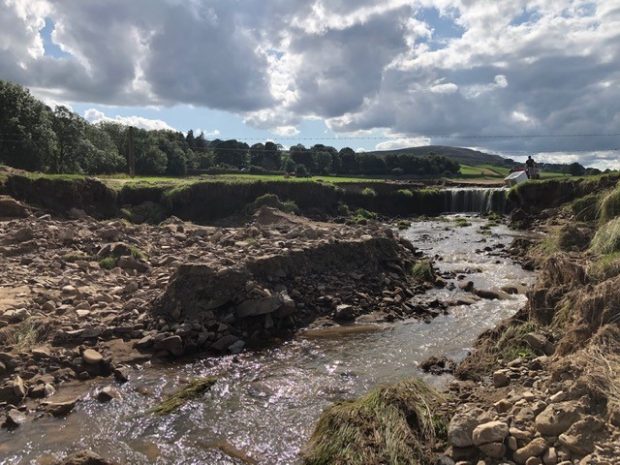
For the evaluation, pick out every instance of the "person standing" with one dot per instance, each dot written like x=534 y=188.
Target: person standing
x=529 y=167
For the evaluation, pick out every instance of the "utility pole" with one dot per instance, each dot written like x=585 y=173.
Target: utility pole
x=131 y=158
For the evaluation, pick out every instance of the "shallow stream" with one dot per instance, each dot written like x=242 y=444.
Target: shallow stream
x=265 y=404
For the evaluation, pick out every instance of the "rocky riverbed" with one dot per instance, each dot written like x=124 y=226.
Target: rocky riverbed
x=81 y=298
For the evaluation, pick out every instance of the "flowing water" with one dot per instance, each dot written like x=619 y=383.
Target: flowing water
x=475 y=199
x=265 y=403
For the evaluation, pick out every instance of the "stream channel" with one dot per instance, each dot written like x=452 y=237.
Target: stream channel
x=266 y=403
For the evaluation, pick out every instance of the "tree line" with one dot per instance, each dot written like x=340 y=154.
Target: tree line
x=37 y=138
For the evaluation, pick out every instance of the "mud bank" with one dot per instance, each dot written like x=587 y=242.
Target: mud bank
x=210 y=201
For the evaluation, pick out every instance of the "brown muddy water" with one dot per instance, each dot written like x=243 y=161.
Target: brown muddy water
x=264 y=405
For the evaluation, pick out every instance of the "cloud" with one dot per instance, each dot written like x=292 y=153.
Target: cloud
x=403 y=142
x=286 y=130
x=95 y=116
x=525 y=69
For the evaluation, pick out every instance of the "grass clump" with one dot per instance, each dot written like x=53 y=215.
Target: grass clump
x=405 y=192
x=396 y=424
x=511 y=343
x=607 y=238
x=272 y=200
x=610 y=206
x=108 y=263
x=76 y=257
x=605 y=267
x=361 y=216
x=369 y=192
x=23 y=336
x=586 y=208
x=423 y=271
x=195 y=388
x=403 y=224
x=462 y=222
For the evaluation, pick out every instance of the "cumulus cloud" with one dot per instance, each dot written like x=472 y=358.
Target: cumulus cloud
x=95 y=116
x=459 y=72
x=403 y=142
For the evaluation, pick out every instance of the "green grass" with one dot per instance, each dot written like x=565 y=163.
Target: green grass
x=423 y=271
x=462 y=222
x=193 y=390
x=396 y=424
x=403 y=224
x=369 y=192
x=512 y=343
x=405 y=192
x=24 y=336
x=610 y=205
x=272 y=200
x=108 y=263
x=607 y=238
x=604 y=267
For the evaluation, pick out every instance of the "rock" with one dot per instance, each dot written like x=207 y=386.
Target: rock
x=533 y=449
x=121 y=374
x=467 y=286
x=438 y=365
x=107 y=393
x=494 y=450
x=131 y=263
x=582 y=435
x=533 y=461
x=11 y=208
x=501 y=378
x=23 y=234
x=512 y=444
x=223 y=343
x=236 y=347
x=258 y=306
x=487 y=294
x=19 y=388
x=14 y=418
x=462 y=425
x=42 y=352
x=557 y=418
x=344 y=312
x=493 y=431
x=85 y=458
x=539 y=343
x=92 y=357
x=550 y=457
x=59 y=409
x=172 y=344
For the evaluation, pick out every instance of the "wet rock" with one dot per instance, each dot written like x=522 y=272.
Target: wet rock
x=223 y=343
x=107 y=393
x=85 y=458
x=493 y=431
x=59 y=409
x=557 y=418
x=258 y=307
x=344 y=312
x=171 y=344
x=467 y=286
x=487 y=294
x=438 y=365
x=14 y=418
x=121 y=374
x=92 y=357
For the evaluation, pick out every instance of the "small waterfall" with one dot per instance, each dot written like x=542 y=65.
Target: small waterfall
x=475 y=200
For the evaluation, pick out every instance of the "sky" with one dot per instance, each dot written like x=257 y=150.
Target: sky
x=511 y=77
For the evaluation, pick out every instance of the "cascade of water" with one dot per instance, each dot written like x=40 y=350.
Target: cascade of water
x=475 y=200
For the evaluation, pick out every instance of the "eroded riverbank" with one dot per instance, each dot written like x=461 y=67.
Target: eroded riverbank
x=265 y=403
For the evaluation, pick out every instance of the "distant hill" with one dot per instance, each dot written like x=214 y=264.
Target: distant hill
x=459 y=154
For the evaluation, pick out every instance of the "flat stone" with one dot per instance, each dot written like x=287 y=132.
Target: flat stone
x=92 y=357
x=493 y=431
x=223 y=343
x=494 y=450
x=59 y=409
x=173 y=344
x=462 y=425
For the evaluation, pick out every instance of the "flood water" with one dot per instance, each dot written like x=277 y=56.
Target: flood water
x=265 y=404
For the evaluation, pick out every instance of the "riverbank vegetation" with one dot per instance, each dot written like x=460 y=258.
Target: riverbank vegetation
x=397 y=424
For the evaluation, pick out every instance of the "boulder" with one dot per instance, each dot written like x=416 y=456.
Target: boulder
x=258 y=306
x=492 y=431
x=462 y=425
x=344 y=312
x=107 y=393
x=172 y=344
x=223 y=343
x=501 y=378
x=84 y=458
x=582 y=435
x=494 y=450
x=14 y=418
x=557 y=418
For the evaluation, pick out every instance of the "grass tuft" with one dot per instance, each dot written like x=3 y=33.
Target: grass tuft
x=423 y=271
x=369 y=192
x=108 y=263
x=272 y=200
x=195 y=388
x=395 y=424
x=607 y=238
